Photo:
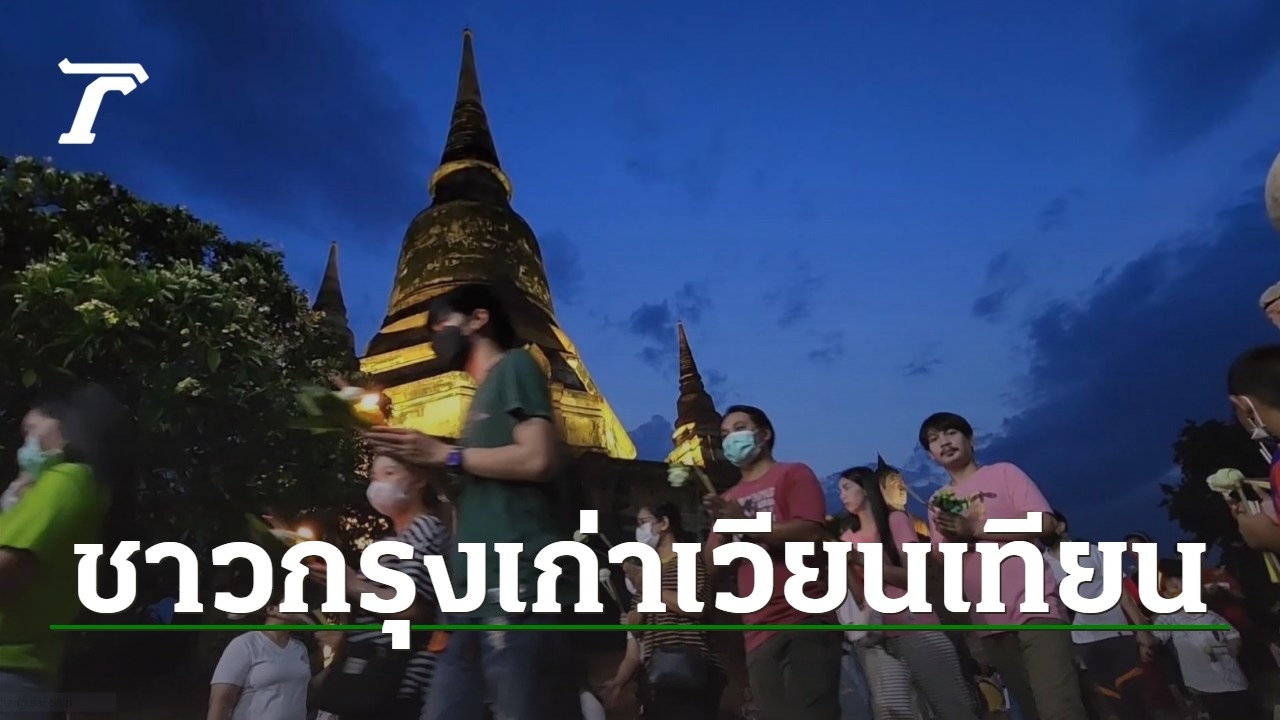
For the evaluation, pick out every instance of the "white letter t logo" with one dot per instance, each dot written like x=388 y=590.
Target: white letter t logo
x=113 y=76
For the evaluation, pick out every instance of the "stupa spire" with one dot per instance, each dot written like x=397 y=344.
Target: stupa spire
x=470 y=143
x=695 y=404
x=329 y=297
x=329 y=301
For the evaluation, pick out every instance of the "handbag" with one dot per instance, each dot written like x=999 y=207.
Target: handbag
x=683 y=667
x=364 y=680
x=851 y=613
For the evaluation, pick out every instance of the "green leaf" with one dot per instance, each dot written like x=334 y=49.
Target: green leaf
x=214 y=358
x=29 y=377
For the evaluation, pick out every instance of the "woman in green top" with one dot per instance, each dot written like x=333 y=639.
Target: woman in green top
x=75 y=450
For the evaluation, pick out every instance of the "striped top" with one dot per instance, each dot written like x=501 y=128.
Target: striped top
x=428 y=536
x=662 y=629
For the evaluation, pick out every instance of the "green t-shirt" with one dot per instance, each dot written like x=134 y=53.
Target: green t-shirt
x=495 y=511
x=64 y=506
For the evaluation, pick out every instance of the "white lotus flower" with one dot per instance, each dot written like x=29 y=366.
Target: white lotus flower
x=1226 y=480
x=579 y=536
x=605 y=575
x=678 y=475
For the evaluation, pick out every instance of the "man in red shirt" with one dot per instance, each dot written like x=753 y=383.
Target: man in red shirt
x=793 y=675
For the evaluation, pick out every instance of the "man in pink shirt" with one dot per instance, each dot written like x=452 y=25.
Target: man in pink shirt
x=793 y=675
x=1039 y=668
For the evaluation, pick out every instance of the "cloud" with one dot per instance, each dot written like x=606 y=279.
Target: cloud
x=276 y=110
x=792 y=298
x=717 y=385
x=924 y=363
x=1005 y=277
x=920 y=368
x=830 y=349
x=1194 y=65
x=682 y=154
x=653 y=439
x=1113 y=376
x=563 y=263
x=655 y=323
x=1054 y=213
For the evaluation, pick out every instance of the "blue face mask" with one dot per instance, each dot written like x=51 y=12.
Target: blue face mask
x=740 y=447
x=32 y=458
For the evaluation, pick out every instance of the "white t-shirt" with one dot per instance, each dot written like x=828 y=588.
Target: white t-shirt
x=1090 y=590
x=1206 y=665
x=273 y=680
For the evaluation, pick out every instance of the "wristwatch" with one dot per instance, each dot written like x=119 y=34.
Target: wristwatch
x=454 y=459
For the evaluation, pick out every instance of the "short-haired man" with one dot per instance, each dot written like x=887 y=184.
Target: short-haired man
x=792 y=675
x=1038 y=667
x=1253 y=387
x=505 y=464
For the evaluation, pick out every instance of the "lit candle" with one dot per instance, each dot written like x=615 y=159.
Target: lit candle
x=306 y=533
x=369 y=408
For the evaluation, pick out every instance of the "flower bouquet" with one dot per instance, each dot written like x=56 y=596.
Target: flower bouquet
x=946 y=501
x=678 y=475
x=606 y=580
x=351 y=408
x=1231 y=483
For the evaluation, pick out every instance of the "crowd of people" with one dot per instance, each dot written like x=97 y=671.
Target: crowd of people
x=500 y=483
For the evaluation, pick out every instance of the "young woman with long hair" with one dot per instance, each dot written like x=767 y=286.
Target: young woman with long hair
x=904 y=662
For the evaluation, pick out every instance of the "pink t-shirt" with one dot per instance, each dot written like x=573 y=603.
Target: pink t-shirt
x=903 y=532
x=1001 y=491
x=791 y=492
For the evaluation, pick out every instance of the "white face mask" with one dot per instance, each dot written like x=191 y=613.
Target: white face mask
x=1258 y=431
x=385 y=497
x=646 y=535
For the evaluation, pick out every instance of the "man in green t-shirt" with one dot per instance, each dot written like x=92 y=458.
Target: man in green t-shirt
x=504 y=467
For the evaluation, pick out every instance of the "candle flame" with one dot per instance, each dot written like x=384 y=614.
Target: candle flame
x=306 y=533
x=370 y=401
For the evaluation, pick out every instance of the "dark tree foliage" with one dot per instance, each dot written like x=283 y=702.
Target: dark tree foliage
x=205 y=338
x=1202 y=449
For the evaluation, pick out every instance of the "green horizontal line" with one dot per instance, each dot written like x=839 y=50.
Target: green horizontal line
x=616 y=627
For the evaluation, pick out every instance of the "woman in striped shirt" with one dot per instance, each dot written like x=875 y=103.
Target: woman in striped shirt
x=682 y=678
x=403 y=495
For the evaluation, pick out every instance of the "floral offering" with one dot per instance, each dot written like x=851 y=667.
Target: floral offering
x=351 y=408
x=678 y=475
x=947 y=502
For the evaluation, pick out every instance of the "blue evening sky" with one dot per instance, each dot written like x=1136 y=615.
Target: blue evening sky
x=1046 y=217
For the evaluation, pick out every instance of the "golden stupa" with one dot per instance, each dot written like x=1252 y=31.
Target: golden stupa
x=470 y=233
